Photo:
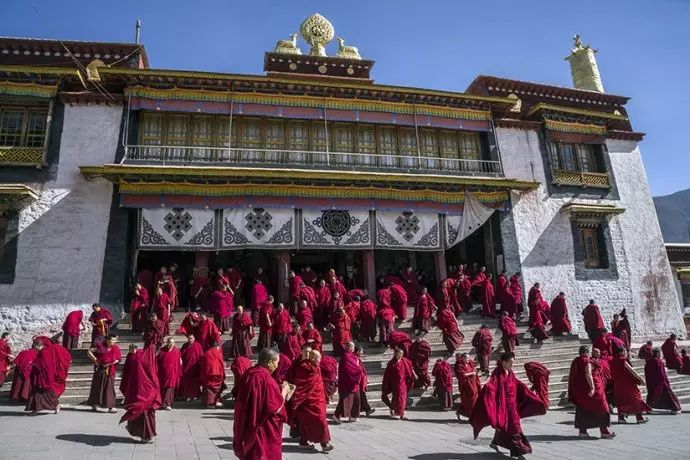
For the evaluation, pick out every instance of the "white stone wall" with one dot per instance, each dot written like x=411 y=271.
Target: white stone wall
x=62 y=235
x=546 y=249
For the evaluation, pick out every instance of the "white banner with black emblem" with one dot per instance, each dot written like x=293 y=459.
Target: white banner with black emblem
x=171 y=228
x=258 y=227
x=409 y=230
x=336 y=228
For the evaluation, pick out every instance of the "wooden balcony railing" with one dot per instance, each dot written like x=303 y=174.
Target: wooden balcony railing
x=214 y=156
x=21 y=156
x=581 y=179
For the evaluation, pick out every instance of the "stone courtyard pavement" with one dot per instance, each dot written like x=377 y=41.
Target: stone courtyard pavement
x=189 y=433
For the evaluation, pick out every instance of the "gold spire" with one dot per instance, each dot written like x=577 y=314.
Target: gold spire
x=583 y=67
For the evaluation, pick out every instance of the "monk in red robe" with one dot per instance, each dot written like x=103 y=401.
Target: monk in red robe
x=399 y=301
x=443 y=384
x=280 y=374
x=464 y=293
x=340 y=326
x=281 y=324
x=304 y=314
x=145 y=278
x=536 y=324
x=482 y=343
x=154 y=332
x=659 y=392
x=349 y=378
x=487 y=295
x=671 y=354
x=222 y=305
x=212 y=376
x=685 y=362
x=43 y=395
x=352 y=308
x=364 y=381
x=419 y=354
x=645 y=351
x=312 y=337
x=424 y=310
x=452 y=337
x=128 y=367
x=63 y=360
x=445 y=295
x=167 y=283
x=329 y=375
x=309 y=276
x=410 y=281
x=516 y=290
x=400 y=339
x=208 y=333
x=236 y=286
x=398 y=379
x=265 y=323
x=625 y=389
x=139 y=307
x=239 y=367
x=200 y=288
x=323 y=300
x=162 y=306
x=143 y=396
x=386 y=317
x=509 y=331
x=560 y=321
x=101 y=319
x=538 y=375
x=259 y=296
x=368 y=314
x=260 y=412
x=587 y=392
x=468 y=384
x=503 y=401
x=71 y=328
x=21 y=381
x=190 y=324
x=6 y=357
x=308 y=403
x=594 y=323
x=308 y=295
x=623 y=330
x=190 y=381
x=294 y=282
x=507 y=300
x=242 y=334
x=105 y=360
x=291 y=345
x=169 y=363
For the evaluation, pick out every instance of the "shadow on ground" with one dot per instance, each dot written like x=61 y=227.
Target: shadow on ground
x=96 y=440
x=458 y=456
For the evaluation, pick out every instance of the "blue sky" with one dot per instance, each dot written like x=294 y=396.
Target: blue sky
x=644 y=46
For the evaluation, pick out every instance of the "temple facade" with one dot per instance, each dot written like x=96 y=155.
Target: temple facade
x=108 y=167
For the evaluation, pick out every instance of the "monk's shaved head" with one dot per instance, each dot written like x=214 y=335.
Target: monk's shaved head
x=267 y=356
x=315 y=356
x=584 y=350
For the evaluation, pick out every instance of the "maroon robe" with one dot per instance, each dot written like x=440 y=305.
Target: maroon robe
x=503 y=401
x=443 y=384
x=329 y=375
x=452 y=337
x=71 y=329
x=190 y=325
x=145 y=278
x=468 y=386
x=63 y=361
x=592 y=318
x=659 y=392
x=102 y=392
x=5 y=360
x=291 y=345
x=560 y=322
x=398 y=379
x=623 y=331
x=420 y=352
x=265 y=322
x=281 y=372
x=21 y=382
x=685 y=365
x=294 y=290
x=160 y=307
x=169 y=373
x=139 y=309
x=482 y=343
x=259 y=417
x=309 y=277
x=313 y=337
x=43 y=394
x=340 y=334
x=222 y=306
x=516 y=289
x=259 y=295
x=323 y=300
x=304 y=316
x=308 y=403
x=399 y=339
x=200 y=292
x=411 y=285
x=307 y=294
x=423 y=312
x=625 y=388
x=488 y=297
x=242 y=335
x=127 y=371
x=349 y=378
x=645 y=352
x=368 y=317
x=538 y=374
x=208 y=334
x=101 y=321
x=464 y=290
x=190 y=381
x=281 y=323
x=399 y=301
x=536 y=324
x=386 y=317
x=509 y=339
x=212 y=375
x=671 y=355
x=154 y=333
x=143 y=396
x=239 y=367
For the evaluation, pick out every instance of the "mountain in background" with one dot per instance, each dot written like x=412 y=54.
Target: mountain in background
x=674 y=216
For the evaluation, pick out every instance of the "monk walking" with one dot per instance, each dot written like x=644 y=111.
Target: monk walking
x=143 y=396
x=503 y=401
x=419 y=354
x=468 y=384
x=538 y=375
x=242 y=334
x=329 y=375
x=386 y=317
x=190 y=380
x=105 y=359
x=43 y=396
x=645 y=352
x=281 y=324
x=312 y=337
x=260 y=411
x=671 y=354
x=487 y=295
x=509 y=331
x=71 y=328
x=349 y=378
x=21 y=381
x=424 y=310
x=162 y=306
x=685 y=362
x=6 y=357
x=368 y=314
x=482 y=343
x=265 y=322
x=101 y=319
x=341 y=326
x=239 y=367
x=398 y=379
x=625 y=389
x=212 y=376
x=586 y=392
x=560 y=321
x=154 y=332
x=659 y=392
x=169 y=364
x=443 y=384
x=139 y=307
x=594 y=323
x=450 y=331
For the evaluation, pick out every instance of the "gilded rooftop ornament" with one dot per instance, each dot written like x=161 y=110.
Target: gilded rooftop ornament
x=345 y=51
x=583 y=67
x=317 y=31
x=288 y=46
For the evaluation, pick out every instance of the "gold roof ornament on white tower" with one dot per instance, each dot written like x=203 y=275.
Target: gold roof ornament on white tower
x=317 y=31
x=583 y=67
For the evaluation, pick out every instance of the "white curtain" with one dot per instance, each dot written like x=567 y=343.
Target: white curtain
x=410 y=230
x=258 y=227
x=459 y=227
x=177 y=228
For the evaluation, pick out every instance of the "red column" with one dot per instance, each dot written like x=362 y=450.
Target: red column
x=440 y=263
x=369 y=271
x=283 y=259
x=201 y=259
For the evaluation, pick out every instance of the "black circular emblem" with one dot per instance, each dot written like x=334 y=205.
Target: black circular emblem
x=336 y=222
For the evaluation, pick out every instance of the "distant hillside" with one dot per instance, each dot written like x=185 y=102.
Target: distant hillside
x=674 y=216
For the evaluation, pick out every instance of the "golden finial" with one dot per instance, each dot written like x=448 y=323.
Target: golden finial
x=317 y=31
x=346 y=51
x=288 y=46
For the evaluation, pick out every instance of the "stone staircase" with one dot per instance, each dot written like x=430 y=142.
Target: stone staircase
x=555 y=353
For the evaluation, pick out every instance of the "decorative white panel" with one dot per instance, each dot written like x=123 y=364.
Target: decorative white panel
x=334 y=228
x=259 y=227
x=177 y=228
x=407 y=230
x=459 y=227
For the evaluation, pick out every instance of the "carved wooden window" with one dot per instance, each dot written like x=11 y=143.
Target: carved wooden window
x=36 y=128
x=152 y=129
x=318 y=137
x=201 y=131
x=275 y=135
x=469 y=146
x=251 y=133
x=576 y=157
x=11 y=127
x=428 y=143
x=408 y=142
x=177 y=130
x=388 y=141
x=22 y=127
x=298 y=135
x=343 y=138
x=449 y=144
x=587 y=157
x=366 y=139
x=222 y=132
x=590 y=245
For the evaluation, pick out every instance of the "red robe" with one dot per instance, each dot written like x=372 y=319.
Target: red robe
x=411 y=286
x=169 y=368
x=190 y=325
x=560 y=322
x=139 y=308
x=259 y=295
x=399 y=301
x=212 y=375
x=5 y=360
x=307 y=293
x=200 y=285
x=420 y=352
x=464 y=290
x=592 y=318
x=292 y=345
x=304 y=316
x=281 y=322
x=70 y=328
x=423 y=312
x=503 y=401
x=101 y=321
x=516 y=290
x=510 y=333
x=443 y=383
x=143 y=395
x=242 y=335
x=160 y=307
x=295 y=284
x=323 y=300
x=308 y=403
x=383 y=297
x=398 y=379
x=63 y=361
x=623 y=332
x=259 y=417
x=596 y=405
x=671 y=355
x=208 y=334
x=368 y=318
x=329 y=375
x=145 y=278
x=645 y=352
x=487 y=294
x=349 y=374
x=127 y=369
x=482 y=343
x=536 y=324
x=190 y=381
x=468 y=385
x=21 y=382
x=538 y=374
x=625 y=388
x=452 y=337
x=341 y=331
x=659 y=392
x=313 y=337
x=154 y=333
x=239 y=368
x=685 y=365
x=399 y=339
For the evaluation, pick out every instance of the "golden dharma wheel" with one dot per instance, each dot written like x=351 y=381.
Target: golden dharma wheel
x=317 y=31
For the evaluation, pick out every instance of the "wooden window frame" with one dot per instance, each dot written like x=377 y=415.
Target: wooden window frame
x=26 y=111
